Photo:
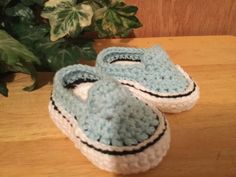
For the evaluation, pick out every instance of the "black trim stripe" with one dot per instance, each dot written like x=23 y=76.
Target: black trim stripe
x=162 y=96
x=56 y=109
x=125 y=59
x=150 y=93
x=78 y=81
x=120 y=153
x=115 y=153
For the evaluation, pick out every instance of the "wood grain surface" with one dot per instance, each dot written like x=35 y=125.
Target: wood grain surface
x=185 y=17
x=203 y=139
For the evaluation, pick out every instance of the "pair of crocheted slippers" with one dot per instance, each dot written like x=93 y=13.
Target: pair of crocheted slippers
x=118 y=125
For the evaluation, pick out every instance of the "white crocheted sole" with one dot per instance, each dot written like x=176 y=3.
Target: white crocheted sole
x=98 y=153
x=170 y=104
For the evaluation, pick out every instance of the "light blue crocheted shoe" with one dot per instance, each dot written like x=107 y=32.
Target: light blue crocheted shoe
x=151 y=76
x=112 y=128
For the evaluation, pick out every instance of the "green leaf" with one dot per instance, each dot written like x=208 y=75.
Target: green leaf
x=21 y=11
x=86 y=51
x=116 y=20
x=66 y=17
x=3 y=3
x=15 y=57
x=96 y=4
x=3 y=69
x=63 y=58
x=3 y=89
x=63 y=53
x=29 y=69
x=29 y=35
x=31 y=2
x=127 y=10
x=11 y=51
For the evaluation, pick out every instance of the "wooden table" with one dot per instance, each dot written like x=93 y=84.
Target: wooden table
x=203 y=139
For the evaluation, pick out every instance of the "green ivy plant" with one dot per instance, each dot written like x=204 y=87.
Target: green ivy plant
x=39 y=35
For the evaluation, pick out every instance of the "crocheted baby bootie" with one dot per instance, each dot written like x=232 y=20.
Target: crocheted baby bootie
x=151 y=76
x=113 y=129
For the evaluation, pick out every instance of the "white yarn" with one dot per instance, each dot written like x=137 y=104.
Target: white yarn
x=81 y=90
x=132 y=163
x=170 y=105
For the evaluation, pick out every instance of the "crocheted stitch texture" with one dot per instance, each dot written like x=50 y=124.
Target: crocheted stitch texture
x=110 y=115
x=153 y=69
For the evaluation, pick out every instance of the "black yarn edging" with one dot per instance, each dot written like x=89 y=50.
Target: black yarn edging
x=63 y=116
x=115 y=153
x=79 y=81
x=150 y=93
x=120 y=153
x=125 y=59
x=73 y=84
x=162 y=96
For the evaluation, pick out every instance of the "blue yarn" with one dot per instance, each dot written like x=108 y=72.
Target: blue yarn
x=110 y=115
x=155 y=72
